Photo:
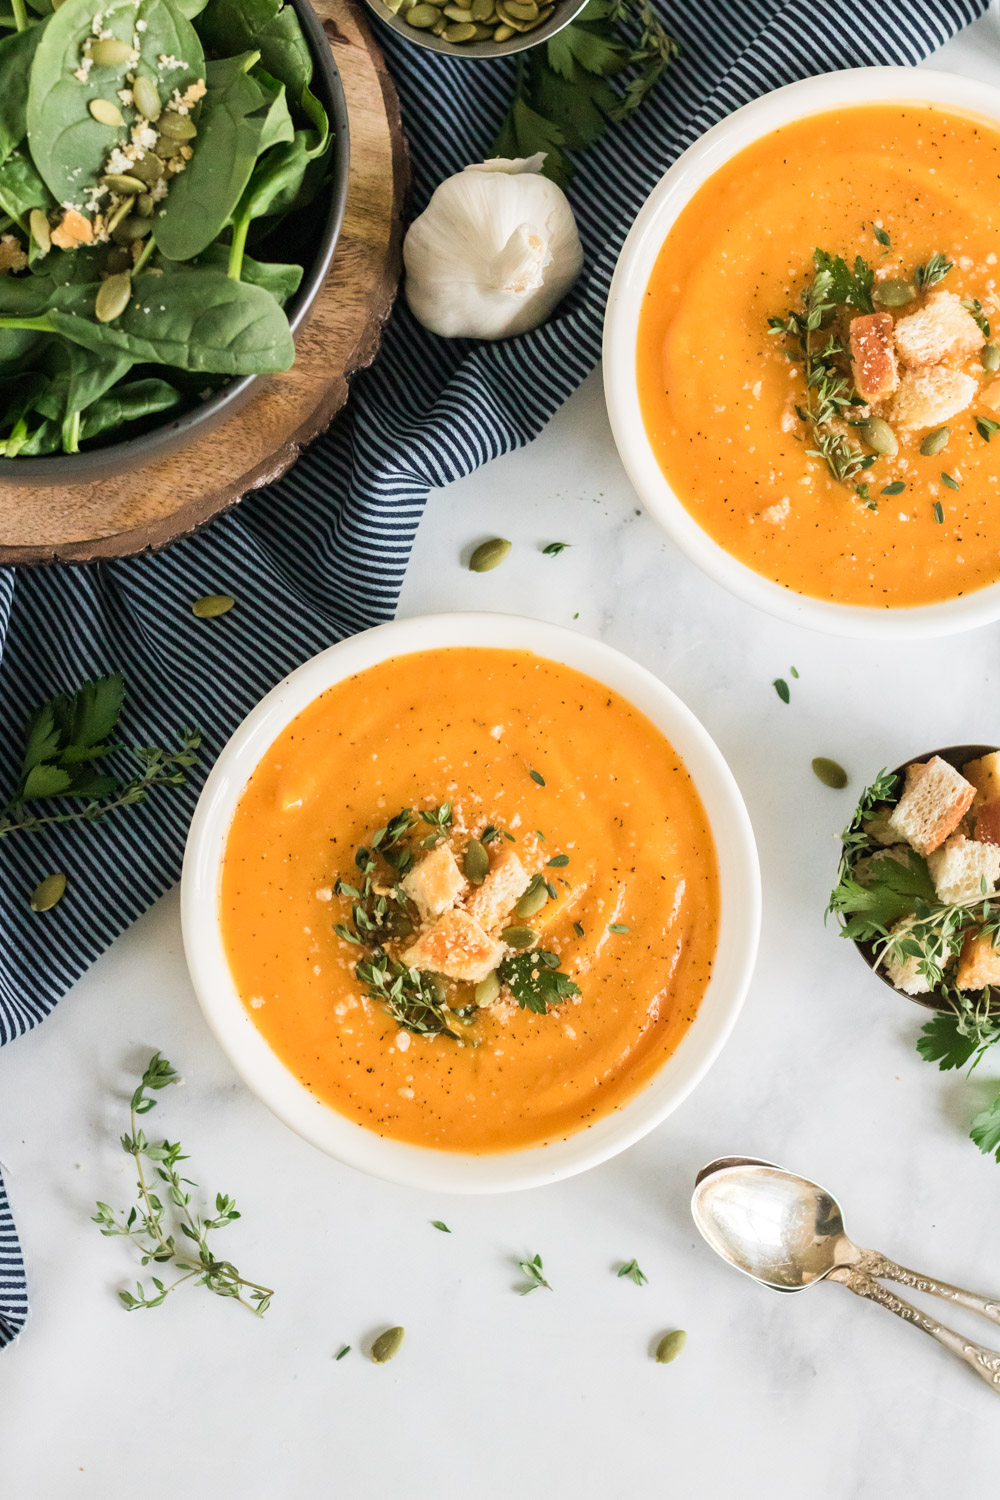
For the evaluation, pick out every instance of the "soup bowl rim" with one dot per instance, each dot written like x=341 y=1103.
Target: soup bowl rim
x=692 y=169
x=425 y=1166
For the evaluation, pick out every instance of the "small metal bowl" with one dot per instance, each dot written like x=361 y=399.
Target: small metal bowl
x=565 y=11
x=957 y=756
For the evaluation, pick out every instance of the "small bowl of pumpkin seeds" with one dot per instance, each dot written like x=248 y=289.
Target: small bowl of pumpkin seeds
x=476 y=28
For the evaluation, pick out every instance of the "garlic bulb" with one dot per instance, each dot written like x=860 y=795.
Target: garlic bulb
x=493 y=252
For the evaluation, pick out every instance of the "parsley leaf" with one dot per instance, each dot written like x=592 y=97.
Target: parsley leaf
x=847 y=287
x=525 y=132
x=535 y=981
x=986 y=1130
x=891 y=891
x=64 y=736
x=943 y=1041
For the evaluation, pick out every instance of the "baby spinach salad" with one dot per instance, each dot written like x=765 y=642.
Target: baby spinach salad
x=143 y=145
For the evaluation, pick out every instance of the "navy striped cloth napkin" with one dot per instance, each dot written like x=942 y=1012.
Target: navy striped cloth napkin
x=322 y=553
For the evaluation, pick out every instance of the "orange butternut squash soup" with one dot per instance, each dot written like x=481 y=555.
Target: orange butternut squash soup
x=816 y=358
x=470 y=899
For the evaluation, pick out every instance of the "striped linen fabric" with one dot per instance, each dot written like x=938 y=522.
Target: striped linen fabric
x=322 y=553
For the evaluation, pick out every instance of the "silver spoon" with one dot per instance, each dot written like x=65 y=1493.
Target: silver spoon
x=787 y=1233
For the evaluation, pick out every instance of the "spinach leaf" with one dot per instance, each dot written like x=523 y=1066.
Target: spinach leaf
x=18 y=395
x=282 y=281
x=278 y=125
x=26 y=296
x=45 y=439
x=195 y=319
x=201 y=200
x=77 y=377
x=127 y=403
x=21 y=188
x=16 y=54
x=229 y=26
x=190 y=8
x=68 y=145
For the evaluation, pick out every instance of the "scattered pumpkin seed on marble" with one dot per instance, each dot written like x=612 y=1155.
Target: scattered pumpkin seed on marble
x=387 y=1346
x=211 y=606
x=48 y=892
x=829 y=773
x=489 y=555
x=106 y=113
x=670 y=1346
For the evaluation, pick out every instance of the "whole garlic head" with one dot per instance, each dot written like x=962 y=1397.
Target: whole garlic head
x=493 y=252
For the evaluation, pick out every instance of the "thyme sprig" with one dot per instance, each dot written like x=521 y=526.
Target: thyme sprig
x=533 y=1270
x=147 y=1224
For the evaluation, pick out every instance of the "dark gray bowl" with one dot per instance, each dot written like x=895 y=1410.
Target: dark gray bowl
x=326 y=214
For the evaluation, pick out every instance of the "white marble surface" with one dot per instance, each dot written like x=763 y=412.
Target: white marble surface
x=556 y=1394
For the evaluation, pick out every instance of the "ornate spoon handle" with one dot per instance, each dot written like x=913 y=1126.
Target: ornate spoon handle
x=983 y=1362
x=872 y=1263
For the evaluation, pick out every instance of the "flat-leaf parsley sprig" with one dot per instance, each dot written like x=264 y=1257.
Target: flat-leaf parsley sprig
x=148 y=1224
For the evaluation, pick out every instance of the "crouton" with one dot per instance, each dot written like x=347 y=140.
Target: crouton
x=72 y=230
x=927 y=398
x=984 y=774
x=942 y=330
x=934 y=801
x=873 y=358
x=435 y=882
x=962 y=867
x=979 y=962
x=13 y=256
x=987 y=825
x=903 y=973
x=495 y=899
x=456 y=947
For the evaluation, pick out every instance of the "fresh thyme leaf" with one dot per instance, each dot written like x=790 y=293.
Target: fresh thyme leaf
x=618 y=927
x=535 y=980
x=557 y=862
x=491 y=832
x=986 y=427
x=895 y=488
x=781 y=688
x=554 y=548
x=631 y=1269
x=409 y=995
x=533 y=1270
x=345 y=1350
x=951 y=482
x=536 y=776
x=935 y=270
x=881 y=235
x=975 y=307
x=794 y=671
x=147 y=1224
x=938 y=512
x=578 y=928
x=438 y=1224
x=986 y=1130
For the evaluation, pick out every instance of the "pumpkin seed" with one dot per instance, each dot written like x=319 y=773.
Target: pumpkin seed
x=177 y=127
x=439 y=26
x=489 y=555
x=123 y=184
x=422 y=16
x=670 y=1346
x=458 y=13
x=532 y=901
x=47 y=892
x=40 y=231
x=483 y=33
x=894 y=292
x=476 y=863
x=113 y=297
x=487 y=991
x=135 y=227
x=935 y=441
x=990 y=358
x=117 y=259
x=387 y=1345
x=149 y=167
x=110 y=53
x=503 y=33
x=830 y=773
x=511 y=20
x=144 y=205
x=459 y=33
x=106 y=113
x=518 y=937
x=211 y=606
x=481 y=9
x=522 y=11
x=880 y=436
x=147 y=98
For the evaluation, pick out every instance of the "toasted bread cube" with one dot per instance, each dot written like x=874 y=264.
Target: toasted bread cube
x=456 y=947
x=984 y=774
x=934 y=801
x=927 y=398
x=73 y=230
x=499 y=893
x=435 y=882
x=979 y=961
x=873 y=357
x=904 y=975
x=987 y=827
x=13 y=256
x=942 y=330
x=961 y=868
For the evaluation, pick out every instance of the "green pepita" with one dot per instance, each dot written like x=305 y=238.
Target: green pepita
x=211 y=606
x=518 y=937
x=894 y=292
x=123 y=184
x=147 y=98
x=526 y=11
x=457 y=32
x=387 y=1345
x=132 y=228
x=483 y=33
x=458 y=13
x=935 y=441
x=40 y=231
x=113 y=297
x=117 y=259
x=990 y=358
x=879 y=435
x=533 y=899
x=830 y=773
x=110 y=52
x=47 y=892
x=149 y=167
x=503 y=33
x=144 y=205
x=476 y=863
x=489 y=555
x=670 y=1346
x=438 y=29
x=482 y=10
x=106 y=113
x=422 y=16
x=177 y=127
x=487 y=991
